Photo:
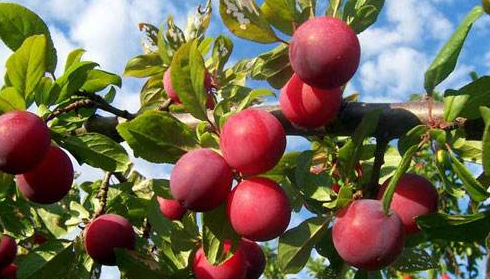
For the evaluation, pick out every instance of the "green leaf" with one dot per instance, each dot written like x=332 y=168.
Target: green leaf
x=245 y=19
x=98 y=80
x=83 y=266
x=334 y=8
x=175 y=36
x=411 y=138
x=97 y=151
x=446 y=59
x=474 y=188
x=282 y=14
x=187 y=75
x=362 y=14
x=13 y=218
x=400 y=171
x=136 y=265
x=73 y=57
x=252 y=98
x=344 y=197
x=460 y=228
x=295 y=245
x=413 y=260
x=485 y=112
x=313 y=186
x=11 y=99
x=144 y=65
x=273 y=66
x=223 y=46
x=152 y=94
x=70 y=82
x=17 y=23
x=198 y=23
x=163 y=226
x=158 y=137
x=51 y=260
x=27 y=65
x=466 y=101
x=217 y=229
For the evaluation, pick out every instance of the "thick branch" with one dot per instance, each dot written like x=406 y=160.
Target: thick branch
x=395 y=121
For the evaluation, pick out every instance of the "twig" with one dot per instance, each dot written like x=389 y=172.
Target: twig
x=165 y=105
x=452 y=259
x=120 y=176
x=74 y=106
x=104 y=105
x=146 y=229
x=379 y=153
x=102 y=195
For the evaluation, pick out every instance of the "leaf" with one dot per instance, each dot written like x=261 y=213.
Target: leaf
x=98 y=80
x=413 y=260
x=252 y=97
x=163 y=226
x=465 y=102
x=446 y=59
x=70 y=82
x=144 y=65
x=295 y=245
x=198 y=23
x=223 y=46
x=400 y=171
x=245 y=19
x=362 y=14
x=460 y=228
x=11 y=99
x=187 y=75
x=474 y=188
x=485 y=112
x=174 y=35
x=217 y=229
x=97 y=151
x=158 y=137
x=135 y=265
x=15 y=218
x=27 y=65
x=50 y=260
x=411 y=138
x=73 y=57
x=18 y=23
x=344 y=197
x=282 y=14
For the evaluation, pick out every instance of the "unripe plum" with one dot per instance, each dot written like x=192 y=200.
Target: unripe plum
x=106 y=233
x=325 y=52
x=9 y=272
x=365 y=237
x=8 y=250
x=255 y=259
x=171 y=209
x=252 y=141
x=307 y=106
x=50 y=181
x=201 y=180
x=258 y=209
x=172 y=94
x=24 y=141
x=233 y=268
x=414 y=196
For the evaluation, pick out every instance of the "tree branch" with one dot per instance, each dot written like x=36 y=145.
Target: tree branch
x=395 y=121
x=370 y=190
x=104 y=105
x=102 y=195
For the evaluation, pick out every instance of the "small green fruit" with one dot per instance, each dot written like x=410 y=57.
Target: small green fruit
x=486 y=6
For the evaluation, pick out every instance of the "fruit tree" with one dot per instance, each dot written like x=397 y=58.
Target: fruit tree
x=385 y=191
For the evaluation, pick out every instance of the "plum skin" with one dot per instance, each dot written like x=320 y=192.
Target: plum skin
x=325 y=52
x=252 y=141
x=24 y=141
x=105 y=233
x=365 y=237
x=50 y=181
x=172 y=94
x=9 y=271
x=307 y=106
x=8 y=250
x=201 y=180
x=233 y=268
x=414 y=196
x=258 y=209
x=171 y=209
x=255 y=259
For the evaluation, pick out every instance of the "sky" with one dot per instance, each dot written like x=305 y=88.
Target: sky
x=396 y=51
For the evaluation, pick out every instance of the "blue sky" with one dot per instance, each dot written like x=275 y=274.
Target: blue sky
x=395 y=51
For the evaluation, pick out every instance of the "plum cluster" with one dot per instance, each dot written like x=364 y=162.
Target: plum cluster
x=44 y=173
x=8 y=252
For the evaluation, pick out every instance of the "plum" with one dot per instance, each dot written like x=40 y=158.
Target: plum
x=233 y=268
x=8 y=250
x=24 y=141
x=255 y=259
x=201 y=180
x=252 y=141
x=171 y=209
x=258 y=209
x=307 y=106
